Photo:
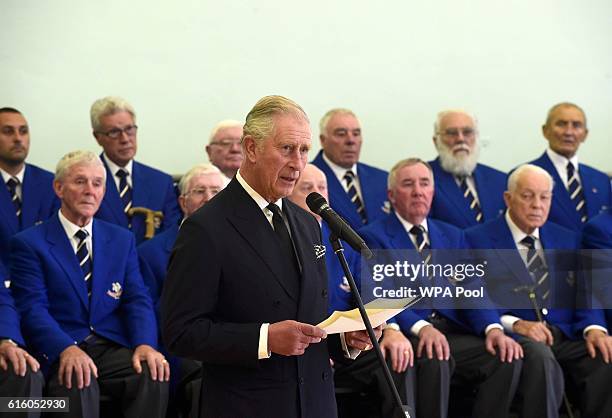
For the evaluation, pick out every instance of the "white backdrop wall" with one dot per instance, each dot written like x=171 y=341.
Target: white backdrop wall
x=188 y=64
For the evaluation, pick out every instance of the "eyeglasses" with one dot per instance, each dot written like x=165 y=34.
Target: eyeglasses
x=454 y=133
x=115 y=133
x=227 y=142
x=202 y=191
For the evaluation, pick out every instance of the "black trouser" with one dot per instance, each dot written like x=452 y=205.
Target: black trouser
x=13 y=386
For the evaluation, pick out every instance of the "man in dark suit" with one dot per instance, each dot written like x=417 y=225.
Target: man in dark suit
x=19 y=371
x=85 y=311
x=580 y=191
x=467 y=193
x=357 y=191
x=245 y=283
x=460 y=341
x=548 y=334
x=200 y=184
x=27 y=197
x=129 y=184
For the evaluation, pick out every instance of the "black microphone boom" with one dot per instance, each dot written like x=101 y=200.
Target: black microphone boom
x=337 y=224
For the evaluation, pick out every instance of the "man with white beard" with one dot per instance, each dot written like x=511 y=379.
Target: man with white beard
x=467 y=193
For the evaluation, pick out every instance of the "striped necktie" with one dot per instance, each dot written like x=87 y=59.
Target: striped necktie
x=349 y=178
x=125 y=191
x=12 y=184
x=471 y=199
x=422 y=245
x=575 y=191
x=536 y=267
x=84 y=258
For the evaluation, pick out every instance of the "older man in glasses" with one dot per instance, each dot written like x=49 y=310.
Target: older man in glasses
x=223 y=149
x=133 y=190
x=467 y=193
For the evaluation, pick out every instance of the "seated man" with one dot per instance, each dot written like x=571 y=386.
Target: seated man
x=357 y=190
x=27 y=197
x=129 y=184
x=364 y=372
x=224 y=149
x=467 y=192
x=460 y=341
x=85 y=311
x=552 y=349
x=19 y=371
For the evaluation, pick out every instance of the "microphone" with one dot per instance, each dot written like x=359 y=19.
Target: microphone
x=338 y=226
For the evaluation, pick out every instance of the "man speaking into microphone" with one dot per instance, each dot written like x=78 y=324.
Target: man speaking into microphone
x=245 y=284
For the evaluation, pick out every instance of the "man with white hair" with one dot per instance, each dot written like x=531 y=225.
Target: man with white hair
x=129 y=184
x=85 y=311
x=467 y=193
x=552 y=329
x=224 y=149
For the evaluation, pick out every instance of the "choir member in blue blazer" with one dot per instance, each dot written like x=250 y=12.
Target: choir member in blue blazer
x=580 y=191
x=467 y=192
x=463 y=341
x=19 y=371
x=27 y=197
x=85 y=312
x=223 y=149
x=357 y=191
x=129 y=184
x=200 y=184
x=547 y=334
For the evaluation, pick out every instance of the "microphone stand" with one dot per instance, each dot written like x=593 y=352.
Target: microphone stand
x=401 y=410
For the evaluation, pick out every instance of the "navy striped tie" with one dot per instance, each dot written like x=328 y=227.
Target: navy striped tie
x=84 y=258
x=471 y=199
x=125 y=191
x=12 y=184
x=536 y=267
x=575 y=191
x=349 y=178
x=422 y=245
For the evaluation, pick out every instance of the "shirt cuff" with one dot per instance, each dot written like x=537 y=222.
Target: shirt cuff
x=508 y=322
x=393 y=326
x=493 y=326
x=262 y=351
x=418 y=326
x=349 y=352
x=596 y=327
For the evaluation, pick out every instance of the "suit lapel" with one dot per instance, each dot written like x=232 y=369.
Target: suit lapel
x=339 y=199
x=503 y=243
x=7 y=210
x=101 y=254
x=30 y=201
x=447 y=185
x=112 y=201
x=64 y=255
x=398 y=237
x=590 y=192
x=482 y=183
x=561 y=198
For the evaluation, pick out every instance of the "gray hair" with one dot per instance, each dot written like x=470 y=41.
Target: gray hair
x=330 y=114
x=406 y=163
x=77 y=158
x=564 y=104
x=524 y=169
x=108 y=106
x=260 y=120
x=441 y=115
x=196 y=171
x=228 y=123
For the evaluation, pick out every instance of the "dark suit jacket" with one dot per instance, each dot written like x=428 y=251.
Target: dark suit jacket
x=151 y=189
x=51 y=294
x=596 y=189
x=373 y=183
x=223 y=282
x=511 y=270
x=450 y=206
x=38 y=204
x=390 y=234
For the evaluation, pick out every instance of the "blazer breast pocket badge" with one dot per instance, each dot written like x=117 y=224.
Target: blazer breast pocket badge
x=116 y=291
x=319 y=250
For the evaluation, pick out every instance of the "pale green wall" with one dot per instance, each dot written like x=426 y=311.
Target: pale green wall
x=187 y=64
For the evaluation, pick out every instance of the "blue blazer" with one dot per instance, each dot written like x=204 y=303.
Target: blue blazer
x=373 y=182
x=9 y=318
x=596 y=189
x=511 y=271
x=51 y=294
x=388 y=233
x=450 y=206
x=340 y=296
x=38 y=204
x=151 y=189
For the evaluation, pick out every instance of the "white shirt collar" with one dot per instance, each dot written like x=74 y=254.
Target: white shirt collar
x=408 y=226
x=339 y=172
x=19 y=176
x=560 y=161
x=114 y=167
x=517 y=233
x=261 y=202
x=71 y=228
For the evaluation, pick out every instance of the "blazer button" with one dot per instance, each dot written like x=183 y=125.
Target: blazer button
x=276 y=303
x=325 y=375
x=324 y=293
x=301 y=380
